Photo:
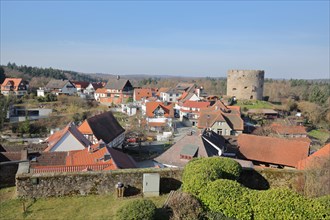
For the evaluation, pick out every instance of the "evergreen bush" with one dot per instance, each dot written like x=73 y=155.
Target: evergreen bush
x=198 y=172
x=142 y=209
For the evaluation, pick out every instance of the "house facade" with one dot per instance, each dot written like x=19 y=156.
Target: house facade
x=67 y=139
x=119 y=91
x=60 y=87
x=14 y=86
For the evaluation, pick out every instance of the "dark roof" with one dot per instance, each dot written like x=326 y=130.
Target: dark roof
x=187 y=87
x=118 y=84
x=105 y=126
x=189 y=149
x=122 y=160
x=18 y=147
x=48 y=158
x=205 y=149
x=57 y=84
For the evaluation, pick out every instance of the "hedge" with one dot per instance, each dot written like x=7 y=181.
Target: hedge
x=142 y=209
x=285 y=204
x=227 y=197
x=198 y=172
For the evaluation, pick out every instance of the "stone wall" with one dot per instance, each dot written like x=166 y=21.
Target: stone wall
x=7 y=173
x=102 y=182
x=261 y=179
x=245 y=84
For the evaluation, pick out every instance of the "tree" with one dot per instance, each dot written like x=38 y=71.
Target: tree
x=2 y=74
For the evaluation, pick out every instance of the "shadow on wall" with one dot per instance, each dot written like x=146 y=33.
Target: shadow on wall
x=168 y=184
x=253 y=180
x=131 y=191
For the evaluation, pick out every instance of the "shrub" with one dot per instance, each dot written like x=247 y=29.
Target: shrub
x=227 y=197
x=285 y=204
x=217 y=216
x=185 y=206
x=198 y=172
x=142 y=209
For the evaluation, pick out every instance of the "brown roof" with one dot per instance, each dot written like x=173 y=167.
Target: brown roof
x=118 y=84
x=272 y=150
x=104 y=126
x=57 y=84
x=10 y=156
x=97 y=85
x=194 y=104
x=48 y=158
x=57 y=136
x=161 y=90
x=80 y=84
x=220 y=112
x=316 y=159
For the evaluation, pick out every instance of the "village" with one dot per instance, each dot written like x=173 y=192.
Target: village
x=72 y=139
x=171 y=127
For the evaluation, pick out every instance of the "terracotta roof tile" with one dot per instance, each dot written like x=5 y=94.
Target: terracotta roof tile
x=194 y=104
x=15 y=82
x=142 y=93
x=272 y=150
x=101 y=90
x=80 y=84
x=316 y=159
x=152 y=106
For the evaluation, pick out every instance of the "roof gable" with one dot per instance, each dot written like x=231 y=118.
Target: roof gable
x=118 y=84
x=105 y=126
x=58 y=84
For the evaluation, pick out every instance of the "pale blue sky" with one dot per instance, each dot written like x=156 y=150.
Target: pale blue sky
x=188 y=38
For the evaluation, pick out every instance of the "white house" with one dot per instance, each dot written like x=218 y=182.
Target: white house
x=59 y=87
x=67 y=139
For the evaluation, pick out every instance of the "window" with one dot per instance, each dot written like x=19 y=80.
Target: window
x=171 y=99
x=234 y=89
x=245 y=87
x=219 y=131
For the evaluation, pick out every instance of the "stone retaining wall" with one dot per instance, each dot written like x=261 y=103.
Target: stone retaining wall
x=84 y=183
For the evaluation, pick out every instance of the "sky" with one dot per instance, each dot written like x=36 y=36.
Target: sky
x=287 y=39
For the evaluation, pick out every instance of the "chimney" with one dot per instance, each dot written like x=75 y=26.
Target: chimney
x=89 y=148
x=24 y=154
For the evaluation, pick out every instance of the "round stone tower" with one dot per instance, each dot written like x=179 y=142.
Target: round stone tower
x=246 y=84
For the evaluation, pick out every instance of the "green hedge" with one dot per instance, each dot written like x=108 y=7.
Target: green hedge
x=198 y=172
x=285 y=204
x=227 y=197
x=142 y=209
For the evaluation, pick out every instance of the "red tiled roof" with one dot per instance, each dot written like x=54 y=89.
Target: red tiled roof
x=272 y=150
x=142 y=93
x=316 y=159
x=101 y=90
x=152 y=106
x=110 y=100
x=15 y=82
x=282 y=129
x=91 y=167
x=97 y=85
x=161 y=90
x=193 y=104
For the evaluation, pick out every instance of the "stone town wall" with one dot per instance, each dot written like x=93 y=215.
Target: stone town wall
x=245 y=84
x=101 y=182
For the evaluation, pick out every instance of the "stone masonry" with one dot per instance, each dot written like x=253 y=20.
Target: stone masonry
x=245 y=84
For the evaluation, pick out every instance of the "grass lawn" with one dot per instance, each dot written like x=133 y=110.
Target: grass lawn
x=75 y=207
x=321 y=135
x=249 y=104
